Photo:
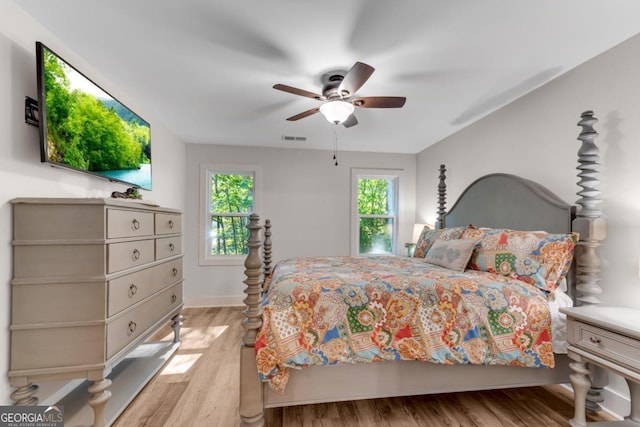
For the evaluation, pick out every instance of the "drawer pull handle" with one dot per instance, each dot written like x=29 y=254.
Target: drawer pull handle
x=174 y=271
x=170 y=224
x=173 y=298
x=594 y=340
x=135 y=255
x=135 y=224
x=171 y=247
x=132 y=327
x=133 y=289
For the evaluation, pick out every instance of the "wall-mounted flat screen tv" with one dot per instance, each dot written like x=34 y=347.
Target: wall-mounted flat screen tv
x=84 y=128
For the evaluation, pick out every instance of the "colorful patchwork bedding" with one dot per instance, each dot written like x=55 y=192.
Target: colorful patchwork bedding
x=328 y=310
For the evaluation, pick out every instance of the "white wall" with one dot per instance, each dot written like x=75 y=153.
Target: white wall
x=535 y=137
x=22 y=174
x=307 y=199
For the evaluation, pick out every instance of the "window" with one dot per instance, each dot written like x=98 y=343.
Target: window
x=229 y=194
x=375 y=212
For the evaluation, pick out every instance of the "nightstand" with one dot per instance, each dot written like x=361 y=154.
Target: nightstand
x=608 y=337
x=410 y=248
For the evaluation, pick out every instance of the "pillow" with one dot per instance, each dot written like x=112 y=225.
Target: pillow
x=472 y=233
x=535 y=257
x=428 y=236
x=451 y=254
x=424 y=242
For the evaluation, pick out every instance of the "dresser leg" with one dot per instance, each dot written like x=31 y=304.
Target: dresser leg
x=581 y=383
x=98 y=400
x=634 y=391
x=25 y=395
x=177 y=325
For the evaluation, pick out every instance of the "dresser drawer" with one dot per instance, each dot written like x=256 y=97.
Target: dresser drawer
x=168 y=246
x=32 y=261
x=133 y=323
x=129 y=254
x=132 y=288
x=58 y=302
x=124 y=223
x=608 y=345
x=168 y=223
x=58 y=346
x=58 y=222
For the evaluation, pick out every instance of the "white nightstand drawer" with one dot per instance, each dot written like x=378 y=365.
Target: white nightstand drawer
x=615 y=347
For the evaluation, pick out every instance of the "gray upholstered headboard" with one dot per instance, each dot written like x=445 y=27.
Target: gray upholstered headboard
x=508 y=201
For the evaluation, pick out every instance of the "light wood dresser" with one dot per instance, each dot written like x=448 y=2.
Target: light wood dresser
x=93 y=279
x=608 y=337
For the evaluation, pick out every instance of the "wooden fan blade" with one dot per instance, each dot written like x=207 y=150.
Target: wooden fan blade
x=303 y=114
x=296 y=91
x=351 y=121
x=379 y=101
x=355 y=78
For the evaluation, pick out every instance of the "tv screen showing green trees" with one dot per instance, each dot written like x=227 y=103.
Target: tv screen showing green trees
x=84 y=128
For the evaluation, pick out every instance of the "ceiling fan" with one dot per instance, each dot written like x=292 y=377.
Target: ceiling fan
x=339 y=97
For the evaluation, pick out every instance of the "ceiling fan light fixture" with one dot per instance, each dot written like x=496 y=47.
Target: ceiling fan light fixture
x=337 y=111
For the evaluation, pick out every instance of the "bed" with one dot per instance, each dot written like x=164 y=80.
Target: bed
x=524 y=352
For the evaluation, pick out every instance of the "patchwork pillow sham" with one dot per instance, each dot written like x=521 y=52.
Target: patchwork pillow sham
x=428 y=236
x=539 y=258
x=451 y=254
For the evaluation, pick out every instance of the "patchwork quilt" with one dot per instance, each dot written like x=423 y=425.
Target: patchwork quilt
x=328 y=310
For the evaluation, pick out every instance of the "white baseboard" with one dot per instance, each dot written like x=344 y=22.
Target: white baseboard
x=211 y=301
x=616 y=404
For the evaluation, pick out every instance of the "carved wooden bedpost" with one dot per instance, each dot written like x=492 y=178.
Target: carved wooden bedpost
x=251 y=399
x=589 y=222
x=266 y=253
x=593 y=230
x=442 y=197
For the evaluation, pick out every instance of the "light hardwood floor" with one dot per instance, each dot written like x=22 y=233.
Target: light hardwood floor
x=199 y=387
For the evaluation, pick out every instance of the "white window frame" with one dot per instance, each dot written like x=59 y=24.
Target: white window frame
x=387 y=174
x=207 y=170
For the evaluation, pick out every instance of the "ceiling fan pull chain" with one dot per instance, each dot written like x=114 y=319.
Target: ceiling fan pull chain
x=335 y=145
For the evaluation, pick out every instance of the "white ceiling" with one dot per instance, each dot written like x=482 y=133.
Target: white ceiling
x=205 y=68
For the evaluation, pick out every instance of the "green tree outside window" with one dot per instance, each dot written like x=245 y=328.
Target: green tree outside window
x=376 y=212
x=232 y=201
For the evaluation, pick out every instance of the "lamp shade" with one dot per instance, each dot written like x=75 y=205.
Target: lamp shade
x=336 y=111
x=417 y=230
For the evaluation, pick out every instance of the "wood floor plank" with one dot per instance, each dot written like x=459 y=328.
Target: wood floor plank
x=199 y=386
x=421 y=407
x=367 y=415
x=500 y=405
